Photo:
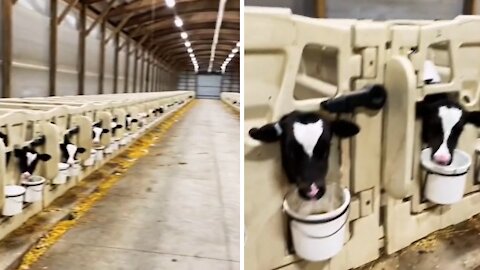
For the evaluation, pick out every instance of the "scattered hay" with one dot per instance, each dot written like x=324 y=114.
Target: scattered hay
x=121 y=163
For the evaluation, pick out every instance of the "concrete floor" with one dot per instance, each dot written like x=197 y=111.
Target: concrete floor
x=177 y=208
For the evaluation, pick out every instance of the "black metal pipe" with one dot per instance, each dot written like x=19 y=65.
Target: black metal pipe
x=372 y=97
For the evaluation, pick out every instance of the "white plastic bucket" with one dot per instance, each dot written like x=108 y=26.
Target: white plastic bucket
x=318 y=237
x=63 y=172
x=99 y=154
x=124 y=140
x=34 y=189
x=445 y=184
x=91 y=159
x=13 y=200
x=75 y=169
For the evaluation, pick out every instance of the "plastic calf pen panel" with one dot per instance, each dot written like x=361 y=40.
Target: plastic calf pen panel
x=43 y=124
x=294 y=63
x=304 y=68
x=231 y=99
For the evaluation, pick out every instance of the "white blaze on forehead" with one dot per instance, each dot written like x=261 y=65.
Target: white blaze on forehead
x=307 y=135
x=31 y=157
x=449 y=118
x=71 y=150
x=97 y=131
x=113 y=124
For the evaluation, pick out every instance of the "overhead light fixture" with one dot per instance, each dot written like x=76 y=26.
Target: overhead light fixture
x=235 y=50
x=238 y=44
x=192 y=55
x=189 y=50
x=231 y=55
x=170 y=3
x=188 y=44
x=184 y=35
x=178 y=21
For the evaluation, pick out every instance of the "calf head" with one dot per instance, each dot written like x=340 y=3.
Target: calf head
x=305 y=146
x=28 y=160
x=69 y=151
x=442 y=124
x=114 y=125
x=129 y=120
x=97 y=132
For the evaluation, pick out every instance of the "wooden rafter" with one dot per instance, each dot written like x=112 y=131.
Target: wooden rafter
x=66 y=10
x=118 y=28
x=101 y=16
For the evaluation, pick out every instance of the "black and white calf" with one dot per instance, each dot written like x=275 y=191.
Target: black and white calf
x=69 y=151
x=443 y=120
x=97 y=132
x=129 y=120
x=114 y=125
x=28 y=160
x=305 y=146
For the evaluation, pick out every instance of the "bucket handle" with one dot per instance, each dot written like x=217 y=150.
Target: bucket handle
x=321 y=237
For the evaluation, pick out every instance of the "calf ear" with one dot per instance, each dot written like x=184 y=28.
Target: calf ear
x=119 y=126
x=80 y=150
x=268 y=133
x=105 y=130
x=344 y=129
x=134 y=120
x=44 y=157
x=18 y=152
x=473 y=118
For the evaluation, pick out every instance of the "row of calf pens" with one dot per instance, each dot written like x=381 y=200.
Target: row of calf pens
x=50 y=144
x=295 y=63
x=232 y=99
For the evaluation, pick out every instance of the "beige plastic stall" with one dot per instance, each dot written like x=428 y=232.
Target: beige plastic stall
x=25 y=119
x=22 y=128
x=294 y=63
x=454 y=47
x=232 y=99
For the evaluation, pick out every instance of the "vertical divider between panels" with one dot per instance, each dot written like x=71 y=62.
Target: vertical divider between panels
x=127 y=65
x=53 y=48
x=142 y=71
x=135 y=69
x=116 y=51
x=81 y=49
x=101 y=65
x=7 y=48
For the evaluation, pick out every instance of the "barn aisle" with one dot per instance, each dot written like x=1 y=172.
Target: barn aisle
x=176 y=208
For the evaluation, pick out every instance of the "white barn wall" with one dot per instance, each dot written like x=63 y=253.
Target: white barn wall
x=31 y=43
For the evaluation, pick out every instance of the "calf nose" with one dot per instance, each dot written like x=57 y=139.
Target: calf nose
x=442 y=159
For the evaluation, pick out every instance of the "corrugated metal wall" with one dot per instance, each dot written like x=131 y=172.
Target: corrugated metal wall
x=30 y=67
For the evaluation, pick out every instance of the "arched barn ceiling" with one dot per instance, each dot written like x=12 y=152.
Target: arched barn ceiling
x=152 y=23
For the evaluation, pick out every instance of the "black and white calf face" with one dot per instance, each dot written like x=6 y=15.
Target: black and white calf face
x=128 y=121
x=69 y=151
x=114 y=125
x=28 y=159
x=442 y=124
x=97 y=132
x=305 y=146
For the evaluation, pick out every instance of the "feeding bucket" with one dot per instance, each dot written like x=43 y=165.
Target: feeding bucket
x=13 y=200
x=445 y=184
x=99 y=154
x=34 y=188
x=318 y=227
x=91 y=159
x=63 y=172
x=75 y=169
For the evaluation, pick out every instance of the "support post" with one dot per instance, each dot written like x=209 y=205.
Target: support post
x=7 y=48
x=115 y=63
x=81 y=49
x=53 y=48
x=101 y=64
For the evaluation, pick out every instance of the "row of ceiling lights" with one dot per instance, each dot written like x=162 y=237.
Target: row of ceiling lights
x=230 y=57
x=179 y=23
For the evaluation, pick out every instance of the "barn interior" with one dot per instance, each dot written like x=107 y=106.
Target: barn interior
x=147 y=92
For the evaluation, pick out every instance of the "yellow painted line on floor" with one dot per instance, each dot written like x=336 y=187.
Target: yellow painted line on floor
x=123 y=162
